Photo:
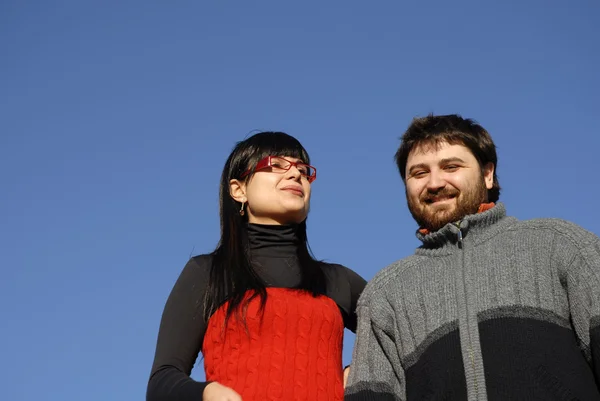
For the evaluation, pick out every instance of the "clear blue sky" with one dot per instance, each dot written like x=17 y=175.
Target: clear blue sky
x=116 y=119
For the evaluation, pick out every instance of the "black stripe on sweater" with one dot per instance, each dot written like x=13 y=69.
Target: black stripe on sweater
x=439 y=373
x=372 y=391
x=528 y=358
x=595 y=341
x=412 y=358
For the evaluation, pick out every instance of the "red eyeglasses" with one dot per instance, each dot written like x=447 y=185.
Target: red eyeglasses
x=278 y=164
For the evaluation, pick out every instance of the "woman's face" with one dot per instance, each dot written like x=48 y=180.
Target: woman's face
x=277 y=193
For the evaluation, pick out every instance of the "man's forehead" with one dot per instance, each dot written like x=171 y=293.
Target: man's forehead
x=440 y=149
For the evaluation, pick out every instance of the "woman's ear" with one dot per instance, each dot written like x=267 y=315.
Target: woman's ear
x=237 y=190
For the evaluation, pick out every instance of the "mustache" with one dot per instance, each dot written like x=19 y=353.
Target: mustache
x=443 y=193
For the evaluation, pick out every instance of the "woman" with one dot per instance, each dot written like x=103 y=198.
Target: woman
x=267 y=317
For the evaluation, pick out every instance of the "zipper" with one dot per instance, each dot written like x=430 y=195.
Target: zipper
x=471 y=356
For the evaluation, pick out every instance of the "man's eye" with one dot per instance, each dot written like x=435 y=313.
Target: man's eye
x=451 y=167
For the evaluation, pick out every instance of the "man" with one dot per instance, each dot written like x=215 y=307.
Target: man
x=489 y=307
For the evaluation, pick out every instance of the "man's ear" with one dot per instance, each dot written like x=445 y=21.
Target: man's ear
x=488 y=175
x=237 y=190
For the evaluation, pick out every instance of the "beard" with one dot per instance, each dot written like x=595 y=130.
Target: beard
x=433 y=217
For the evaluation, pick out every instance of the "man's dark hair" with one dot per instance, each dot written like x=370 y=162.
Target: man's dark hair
x=455 y=130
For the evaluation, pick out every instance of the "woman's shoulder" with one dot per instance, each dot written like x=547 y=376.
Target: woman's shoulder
x=197 y=266
x=202 y=261
x=337 y=271
x=344 y=286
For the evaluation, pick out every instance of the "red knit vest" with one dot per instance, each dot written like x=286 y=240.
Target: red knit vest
x=295 y=353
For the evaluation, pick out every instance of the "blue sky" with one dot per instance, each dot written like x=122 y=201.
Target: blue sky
x=116 y=119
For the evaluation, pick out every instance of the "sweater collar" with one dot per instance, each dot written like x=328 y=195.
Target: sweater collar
x=487 y=216
x=273 y=240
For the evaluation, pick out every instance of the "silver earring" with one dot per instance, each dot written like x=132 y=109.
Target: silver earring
x=242 y=209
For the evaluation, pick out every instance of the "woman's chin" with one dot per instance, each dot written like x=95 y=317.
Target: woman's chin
x=295 y=216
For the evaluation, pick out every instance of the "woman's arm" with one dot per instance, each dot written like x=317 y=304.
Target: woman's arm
x=180 y=337
x=357 y=285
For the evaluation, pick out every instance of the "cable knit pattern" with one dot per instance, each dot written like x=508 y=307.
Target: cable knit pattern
x=302 y=349
x=272 y=360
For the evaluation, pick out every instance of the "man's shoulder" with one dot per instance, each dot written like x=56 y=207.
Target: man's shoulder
x=386 y=279
x=556 y=227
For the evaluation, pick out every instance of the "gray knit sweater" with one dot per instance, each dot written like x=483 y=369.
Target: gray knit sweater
x=490 y=308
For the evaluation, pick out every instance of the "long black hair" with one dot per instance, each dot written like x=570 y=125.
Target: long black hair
x=232 y=277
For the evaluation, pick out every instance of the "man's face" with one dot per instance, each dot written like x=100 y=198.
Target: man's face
x=444 y=184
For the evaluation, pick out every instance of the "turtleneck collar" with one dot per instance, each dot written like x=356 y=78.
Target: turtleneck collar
x=273 y=240
x=471 y=225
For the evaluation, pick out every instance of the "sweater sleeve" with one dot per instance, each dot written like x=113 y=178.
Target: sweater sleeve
x=180 y=337
x=583 y=289
x=344 y=286
x=357 y=285
x=376 y=372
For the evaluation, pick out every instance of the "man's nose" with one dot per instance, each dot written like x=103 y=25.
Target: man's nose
x=435 y=182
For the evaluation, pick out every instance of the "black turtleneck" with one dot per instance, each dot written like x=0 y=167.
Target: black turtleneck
x=273 y=253
x=272 y=240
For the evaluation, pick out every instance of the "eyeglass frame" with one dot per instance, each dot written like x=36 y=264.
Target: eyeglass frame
x=265 y=162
